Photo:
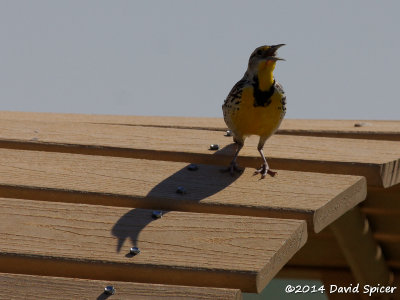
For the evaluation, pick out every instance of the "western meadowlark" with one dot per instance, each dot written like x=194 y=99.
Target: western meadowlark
x=256 y=104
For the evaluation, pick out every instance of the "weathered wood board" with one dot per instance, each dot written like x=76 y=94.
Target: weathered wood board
x=363 y=129
x=21 y=287
x=378 y=161
x=91 y=241
x=116 y=181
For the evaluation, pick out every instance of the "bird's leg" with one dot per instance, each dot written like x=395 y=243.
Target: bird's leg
x=233 y=167
x=264 y=169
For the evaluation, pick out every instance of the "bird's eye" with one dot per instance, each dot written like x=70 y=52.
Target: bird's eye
x=259 y=52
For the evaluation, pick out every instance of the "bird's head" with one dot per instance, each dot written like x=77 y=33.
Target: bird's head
x=263 y=57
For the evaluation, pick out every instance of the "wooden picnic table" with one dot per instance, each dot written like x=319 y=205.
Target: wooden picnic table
x=79 y=191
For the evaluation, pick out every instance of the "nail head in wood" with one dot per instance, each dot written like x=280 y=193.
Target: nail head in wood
x=214 y=147
x=134 y=251
x=181 y=190
x=228 y=133
x=157 y=214
x=109 y=290
x=193 y=167
x=361 y=124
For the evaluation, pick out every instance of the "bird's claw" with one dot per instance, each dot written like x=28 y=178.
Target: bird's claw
x=264 y=170
x=233 y=167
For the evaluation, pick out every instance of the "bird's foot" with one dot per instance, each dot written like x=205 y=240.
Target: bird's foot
x=233 y=167
x=264 y=170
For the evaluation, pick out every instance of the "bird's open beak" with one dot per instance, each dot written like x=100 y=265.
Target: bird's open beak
x=275 y=58
x=276 y=47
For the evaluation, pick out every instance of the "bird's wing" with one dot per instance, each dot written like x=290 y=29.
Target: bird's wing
x=279 y=89
x=236 y=92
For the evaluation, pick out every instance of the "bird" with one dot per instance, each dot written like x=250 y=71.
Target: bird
x=256 y=105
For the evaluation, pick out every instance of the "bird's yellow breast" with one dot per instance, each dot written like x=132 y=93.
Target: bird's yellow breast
x=257 y=120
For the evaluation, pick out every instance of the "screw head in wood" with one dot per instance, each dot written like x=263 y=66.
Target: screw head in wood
x=193 y=167
x=181 y=190
x=109 y=290
x=134 y=251
x=228 y=133
x=361 y=124
x=157 y=214
x=214 y=147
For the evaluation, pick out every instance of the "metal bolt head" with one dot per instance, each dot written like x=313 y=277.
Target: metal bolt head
x=157 y=214
x=361 y=124
x=109 y=290
x=181 y=190
x=193 y=167
x=228 y=133
x=134 y=251
x=214 y=147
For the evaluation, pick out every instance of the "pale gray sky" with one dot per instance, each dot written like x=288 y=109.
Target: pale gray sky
x=182 y=57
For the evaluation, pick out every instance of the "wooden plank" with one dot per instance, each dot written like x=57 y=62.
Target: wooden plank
x=382 y=208
x=317 y=198
x=18 y=286
x=91 y=241
x=363 y=129
x=352 y=231
x=378 y=161
x=322 y=250
x=386 y=226
x=383 y=201
x=396 y=282
x=353 y=129
x=315 y=272
x=153 y=121
x=391 y=248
